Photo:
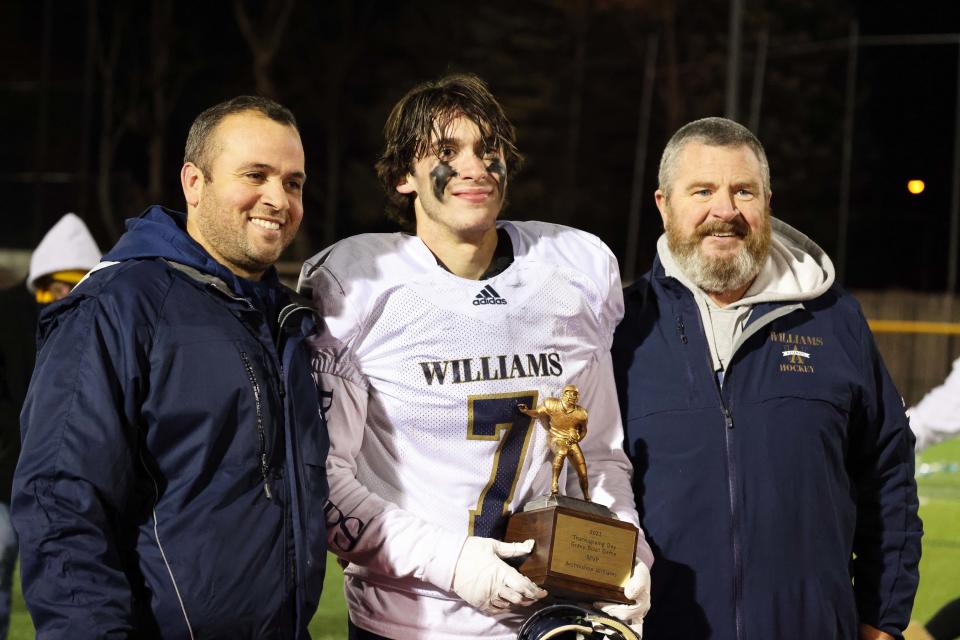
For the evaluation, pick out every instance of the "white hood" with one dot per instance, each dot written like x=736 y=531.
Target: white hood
x=796 y=269
x=67 y=246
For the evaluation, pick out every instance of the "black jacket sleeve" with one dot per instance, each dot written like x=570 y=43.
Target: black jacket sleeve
x=888 y=532
x=76 y=473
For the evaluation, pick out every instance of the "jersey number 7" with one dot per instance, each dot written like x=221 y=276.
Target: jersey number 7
x=495 y=417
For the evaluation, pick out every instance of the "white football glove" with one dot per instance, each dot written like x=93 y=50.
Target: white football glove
x=638 y=590
x=488 y=583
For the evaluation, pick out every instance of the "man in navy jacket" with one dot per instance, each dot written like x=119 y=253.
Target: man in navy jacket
x=773 y=460
x=172 y=477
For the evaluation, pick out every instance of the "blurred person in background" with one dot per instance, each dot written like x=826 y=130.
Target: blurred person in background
x=774 y=468
x=58 y=263
x=937 y=416
x=64 y=256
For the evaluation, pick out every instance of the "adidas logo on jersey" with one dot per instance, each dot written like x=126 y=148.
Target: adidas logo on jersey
x=488 y=295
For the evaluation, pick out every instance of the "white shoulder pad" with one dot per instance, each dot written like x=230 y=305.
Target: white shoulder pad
x=346 y=279
x=368 y=262
x=576 y=250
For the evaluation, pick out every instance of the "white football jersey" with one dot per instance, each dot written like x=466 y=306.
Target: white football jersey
x=425 y=370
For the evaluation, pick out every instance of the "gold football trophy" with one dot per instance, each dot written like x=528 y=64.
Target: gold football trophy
x=582 y=551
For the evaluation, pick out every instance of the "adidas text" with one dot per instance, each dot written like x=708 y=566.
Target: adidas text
x=488 y=295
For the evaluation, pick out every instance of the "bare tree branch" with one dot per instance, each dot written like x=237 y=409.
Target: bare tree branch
x=263 y=46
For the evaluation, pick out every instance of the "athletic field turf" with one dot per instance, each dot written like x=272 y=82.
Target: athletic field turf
x=939 y=483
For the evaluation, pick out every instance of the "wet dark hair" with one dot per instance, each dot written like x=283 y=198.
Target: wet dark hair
x=200 y=141
x=423 y=116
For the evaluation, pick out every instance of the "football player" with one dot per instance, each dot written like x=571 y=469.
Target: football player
x=431 y=341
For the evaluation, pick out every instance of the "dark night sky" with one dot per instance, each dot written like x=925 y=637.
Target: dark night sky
x=368 y=54
x=907 y=132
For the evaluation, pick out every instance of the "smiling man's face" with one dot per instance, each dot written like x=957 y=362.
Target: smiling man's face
x=248 y=210
x=717 y=215
x=459 y=184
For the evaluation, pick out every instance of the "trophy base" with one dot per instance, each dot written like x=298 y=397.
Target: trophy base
x=582 y=551
x=586 y=506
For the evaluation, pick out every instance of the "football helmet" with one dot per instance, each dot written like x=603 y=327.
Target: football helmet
x=573 y=622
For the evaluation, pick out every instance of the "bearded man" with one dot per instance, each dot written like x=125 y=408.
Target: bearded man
x=773 y=459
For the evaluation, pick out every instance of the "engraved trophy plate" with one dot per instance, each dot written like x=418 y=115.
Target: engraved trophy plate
x=596 y=553
x=582 y=551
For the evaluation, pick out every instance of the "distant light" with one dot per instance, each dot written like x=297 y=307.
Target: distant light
x=916 y=186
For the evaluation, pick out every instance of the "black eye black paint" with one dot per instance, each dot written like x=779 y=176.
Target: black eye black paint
x=441 y=175
x=497 y=168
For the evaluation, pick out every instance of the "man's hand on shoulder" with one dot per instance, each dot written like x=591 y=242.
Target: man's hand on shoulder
x=488 y=583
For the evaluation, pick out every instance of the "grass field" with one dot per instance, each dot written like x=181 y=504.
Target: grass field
x=939 y=575
x=940 y=510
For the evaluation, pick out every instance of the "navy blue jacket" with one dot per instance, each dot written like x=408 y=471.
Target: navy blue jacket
x=172 y=477
x=755 y=497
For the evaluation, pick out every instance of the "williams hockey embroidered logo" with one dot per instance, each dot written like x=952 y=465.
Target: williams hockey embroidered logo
x=488 y=295
x=797 y=360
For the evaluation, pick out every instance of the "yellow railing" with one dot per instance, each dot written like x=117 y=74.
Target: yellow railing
x=915 y=326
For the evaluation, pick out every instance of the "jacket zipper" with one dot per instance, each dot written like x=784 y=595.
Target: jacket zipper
x=681 y=330
x=261 y=435
x=756 y=326
x=735 y=519
x=262 y=455
x=263 y=458
x=731 y=482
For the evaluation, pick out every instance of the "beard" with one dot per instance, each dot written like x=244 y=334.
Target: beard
x=717 y=274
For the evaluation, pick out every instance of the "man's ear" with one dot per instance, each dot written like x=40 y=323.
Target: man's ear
x=406 y=186
x=192 y=182
x=661 y=199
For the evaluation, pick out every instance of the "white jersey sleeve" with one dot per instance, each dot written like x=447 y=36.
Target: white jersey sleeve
x=608 y=466
x=937 y=416
x=362 y=527
x=580 y=252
